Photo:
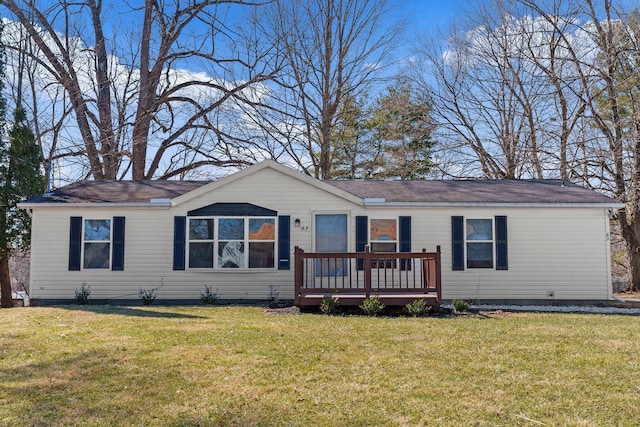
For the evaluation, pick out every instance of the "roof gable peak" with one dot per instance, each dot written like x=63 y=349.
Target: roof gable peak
x=268 y=164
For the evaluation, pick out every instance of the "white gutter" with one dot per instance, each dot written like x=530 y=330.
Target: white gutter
x=368 y=202
x=377 y=203
x=154 y=203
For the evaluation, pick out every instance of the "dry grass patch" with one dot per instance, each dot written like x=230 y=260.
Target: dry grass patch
x=196 y=366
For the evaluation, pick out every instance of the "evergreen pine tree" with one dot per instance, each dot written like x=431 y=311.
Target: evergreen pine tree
x=20 y=178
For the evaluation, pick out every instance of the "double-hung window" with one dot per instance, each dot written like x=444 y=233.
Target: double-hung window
x=479 y=242
x=201 y=243
x=97 y=243
x=383 y=234
x=262 y=239
x=231 y=242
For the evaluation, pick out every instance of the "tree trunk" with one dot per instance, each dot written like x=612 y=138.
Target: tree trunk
x=634 y=271
x=5 y=284
x=325 y=153
x=147 y=95
x=630 y=229
x=108 y=145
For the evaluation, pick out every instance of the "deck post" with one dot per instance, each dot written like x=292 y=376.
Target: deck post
x=438 y=275
x=298 y=264
x=367 y=272
x=425 y=272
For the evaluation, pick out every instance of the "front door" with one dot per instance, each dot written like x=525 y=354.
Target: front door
x=331 y=236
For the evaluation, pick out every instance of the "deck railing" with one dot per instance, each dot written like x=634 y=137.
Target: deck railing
x=399 y=275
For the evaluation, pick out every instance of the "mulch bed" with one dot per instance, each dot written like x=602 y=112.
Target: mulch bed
x=283 y=310
x=441 y=312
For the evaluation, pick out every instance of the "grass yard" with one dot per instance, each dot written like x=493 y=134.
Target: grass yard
x=208 y=366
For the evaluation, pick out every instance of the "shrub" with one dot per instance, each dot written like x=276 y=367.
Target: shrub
x=460 y=305
x=329 y=305
x=372 y=306
x=83 y=294
x=209 y=297
x=148 y=296
x=273 y=300
x=417 y=308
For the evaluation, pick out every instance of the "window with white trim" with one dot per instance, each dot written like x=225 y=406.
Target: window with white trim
x=96 y=243
x=383 y=237
x=479 y=241
x=201 y=243
x=231 y=242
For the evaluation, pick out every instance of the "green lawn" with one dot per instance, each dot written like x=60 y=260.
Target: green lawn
x=202 y=366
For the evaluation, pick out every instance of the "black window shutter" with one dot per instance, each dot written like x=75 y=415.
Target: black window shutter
x=117 y=255
x=501 y=243
x=457 y=242
x=284 y=242
x=362 y=237
x=405 y=233
x=405 y=239
x=75 y=243
x=179 y=241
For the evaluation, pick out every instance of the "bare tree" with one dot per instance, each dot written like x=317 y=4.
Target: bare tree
x=333 y=50
x=492 y=102
x=546 y=47
x=46 y=104
x=132 y=100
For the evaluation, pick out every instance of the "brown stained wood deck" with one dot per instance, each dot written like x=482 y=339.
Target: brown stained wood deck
x=396 y=278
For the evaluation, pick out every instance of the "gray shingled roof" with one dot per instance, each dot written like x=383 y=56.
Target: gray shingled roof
x=444 y=191
x=117 y=191
x=473 y=191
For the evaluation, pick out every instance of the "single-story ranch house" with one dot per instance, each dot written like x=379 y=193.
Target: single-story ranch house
x=269 y=230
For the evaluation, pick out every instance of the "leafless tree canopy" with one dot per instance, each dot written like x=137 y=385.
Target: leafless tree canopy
x=114 y=83
x=332 y=50
x=507 y=101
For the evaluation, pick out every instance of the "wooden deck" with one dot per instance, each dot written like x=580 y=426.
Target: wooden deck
x=397 y=278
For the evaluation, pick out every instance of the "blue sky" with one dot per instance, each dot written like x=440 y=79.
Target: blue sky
x=424 y=14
